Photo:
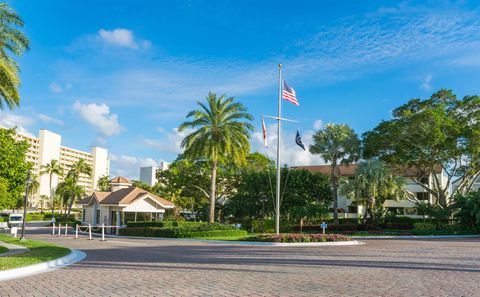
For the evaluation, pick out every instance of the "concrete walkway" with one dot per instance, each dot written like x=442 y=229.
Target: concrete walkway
x=12 y=249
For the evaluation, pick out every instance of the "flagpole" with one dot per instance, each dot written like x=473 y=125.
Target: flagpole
x=277 y=212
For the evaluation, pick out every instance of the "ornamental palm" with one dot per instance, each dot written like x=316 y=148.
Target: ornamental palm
x=16 y=42
x=336 y=144
x=221 y=130
x=373 y=184
x=70 y=192
x=52 y=168
x=79 y=168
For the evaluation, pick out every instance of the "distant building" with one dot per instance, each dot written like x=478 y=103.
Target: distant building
x=46 y=147
x=348 y=209
x=148 y=174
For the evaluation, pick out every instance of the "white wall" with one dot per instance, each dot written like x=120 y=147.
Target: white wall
x=100 y=166
x=148 y=175
x=49 y=149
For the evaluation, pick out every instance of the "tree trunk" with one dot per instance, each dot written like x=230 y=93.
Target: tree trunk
x=70 y=204
x=334 y=193
x=213 y=190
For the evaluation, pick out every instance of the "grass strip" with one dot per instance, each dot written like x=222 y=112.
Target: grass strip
x=39 y=252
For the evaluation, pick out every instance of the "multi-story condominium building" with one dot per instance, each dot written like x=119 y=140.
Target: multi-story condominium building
x=347 y=207
x=148 y=174
x=46 y=147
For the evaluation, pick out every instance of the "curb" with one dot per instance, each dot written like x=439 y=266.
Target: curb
x=74 y=257
x=232 y=242
x=416 y=236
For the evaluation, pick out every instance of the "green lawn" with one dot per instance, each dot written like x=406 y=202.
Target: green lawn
x=3 y=249
x=39 y=252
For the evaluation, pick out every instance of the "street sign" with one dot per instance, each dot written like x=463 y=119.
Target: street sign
x=323 y=226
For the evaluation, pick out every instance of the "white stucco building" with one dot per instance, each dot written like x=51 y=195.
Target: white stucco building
x=148 y=174
x=401 y=207
x=48 y=146
x=122 y=204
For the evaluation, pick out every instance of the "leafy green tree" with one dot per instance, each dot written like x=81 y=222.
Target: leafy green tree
x=13 y=167
x=141 y=185
x=14 y=41
x=221 y=131
x=426 y=136
x=336 y=144
x=374 y=183
x=467 y=209
x=76 y=191
x=52 y=168
x=103 y=183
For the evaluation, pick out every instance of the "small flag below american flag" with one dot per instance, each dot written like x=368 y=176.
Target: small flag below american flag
x=298 y=141
x=288 y=94
x=264 y=129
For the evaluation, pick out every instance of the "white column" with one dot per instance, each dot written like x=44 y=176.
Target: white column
x=118 y=222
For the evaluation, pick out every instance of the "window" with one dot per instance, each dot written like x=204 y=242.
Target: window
x=352 y=209
x=410 y=211
x=422 y=195
x=396 y=210
x=97 y=216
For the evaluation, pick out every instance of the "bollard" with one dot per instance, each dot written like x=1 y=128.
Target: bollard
x=103 y=232
x=76 y=231
x=89 y=232
x=53 y=229
x=59 y=229
x=66 y=230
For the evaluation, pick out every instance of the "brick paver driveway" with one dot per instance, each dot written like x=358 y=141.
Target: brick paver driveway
x=133 y=267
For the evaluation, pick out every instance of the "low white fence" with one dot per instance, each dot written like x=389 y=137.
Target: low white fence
x=58 y=230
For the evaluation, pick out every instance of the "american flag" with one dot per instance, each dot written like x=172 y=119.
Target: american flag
x=288 y=94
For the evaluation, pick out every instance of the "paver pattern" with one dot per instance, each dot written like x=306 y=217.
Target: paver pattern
x=135 y=267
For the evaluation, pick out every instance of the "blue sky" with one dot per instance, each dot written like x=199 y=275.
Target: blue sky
x=123 y=74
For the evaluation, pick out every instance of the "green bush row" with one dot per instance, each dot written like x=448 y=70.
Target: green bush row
x=178 y=232
x=424 y=226
x=163 y=224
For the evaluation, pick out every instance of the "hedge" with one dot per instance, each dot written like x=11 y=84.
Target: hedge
x=339 y=227
x=285 y=237
x=179 y=232
x=163 y=224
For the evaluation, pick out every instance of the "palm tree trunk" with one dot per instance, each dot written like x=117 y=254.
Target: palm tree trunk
x=51 y=195
x=213 y=191
x=334 y=192
x=70 y=204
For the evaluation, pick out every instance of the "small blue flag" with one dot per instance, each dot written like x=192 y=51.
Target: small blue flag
x=298 y=141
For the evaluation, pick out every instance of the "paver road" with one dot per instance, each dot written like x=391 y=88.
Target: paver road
x=133 y=267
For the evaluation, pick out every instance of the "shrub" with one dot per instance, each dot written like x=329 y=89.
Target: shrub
x=176 y=232
x=340 y=227
x=424 y=226
x=398 y=226
x=163 y=224
x=295 y=237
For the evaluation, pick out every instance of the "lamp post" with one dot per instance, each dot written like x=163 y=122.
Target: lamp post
x=263 y=199
x=27 y=187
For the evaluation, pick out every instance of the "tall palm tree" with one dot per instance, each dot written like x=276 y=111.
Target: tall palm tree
x=70 y=191
x=103 y=183
x=374 y=182
x=52 y=168
x=336 y=144
x=79 y=168
x=14 y=41
x=221 y=129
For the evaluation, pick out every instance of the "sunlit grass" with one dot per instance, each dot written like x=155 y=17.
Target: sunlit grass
x=39 y=252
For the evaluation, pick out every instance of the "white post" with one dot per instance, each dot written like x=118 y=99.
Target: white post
x=103 y=232
x=118 y=223
x=59 y=229
x=53 y=229
x=76 y=231
x=66 y=230
x=89 y=232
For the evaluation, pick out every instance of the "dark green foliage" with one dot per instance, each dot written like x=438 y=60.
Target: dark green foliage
x=467 y=209
x=184 y=230
x=13 y=169
x=165 y=224
x=303 y=195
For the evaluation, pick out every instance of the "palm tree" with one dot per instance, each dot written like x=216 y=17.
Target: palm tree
x=69 y=191
x=337 y=144
x=52 y=168
x=374 y=182
x=103 y=183
x=34 y=186
x=221 y=130
x=16 y=42
x=79 y=168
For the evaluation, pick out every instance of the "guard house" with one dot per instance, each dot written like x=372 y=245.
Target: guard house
x=122 y=204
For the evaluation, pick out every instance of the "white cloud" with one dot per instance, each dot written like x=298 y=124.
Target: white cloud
x=99 y=117
x=169 y=142
x=58 y=88
x=47 y=119
x=426 y=84
x=123 y=38
x=128 y=166
x=318 y=124
x=10 y=120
